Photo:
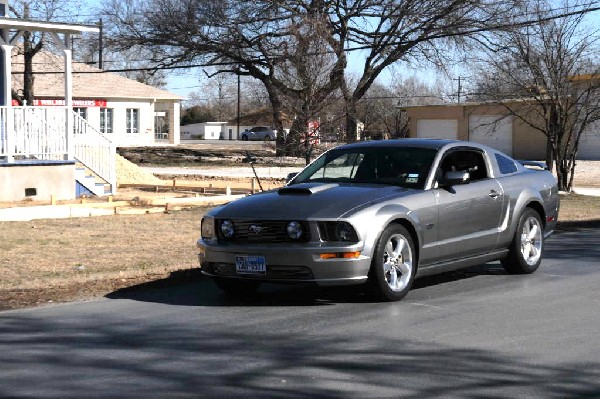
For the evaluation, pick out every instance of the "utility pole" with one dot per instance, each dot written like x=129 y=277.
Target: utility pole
x=238 y=104
x=100 y=45
x=459 y=88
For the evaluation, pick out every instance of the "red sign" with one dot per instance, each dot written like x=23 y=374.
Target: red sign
x=76 y=103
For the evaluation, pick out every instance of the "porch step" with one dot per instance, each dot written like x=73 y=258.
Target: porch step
x=88 y=183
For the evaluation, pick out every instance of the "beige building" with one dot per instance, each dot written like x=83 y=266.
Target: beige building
x=489 y=124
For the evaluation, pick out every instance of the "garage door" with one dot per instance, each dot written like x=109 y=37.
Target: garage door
x=437 y=128
x=589 y=144
x=492 y=130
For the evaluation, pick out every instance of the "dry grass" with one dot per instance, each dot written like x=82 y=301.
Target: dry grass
x=58 y=252
x=577 y=208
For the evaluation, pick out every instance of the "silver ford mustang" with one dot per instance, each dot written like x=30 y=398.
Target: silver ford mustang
x=382 y=213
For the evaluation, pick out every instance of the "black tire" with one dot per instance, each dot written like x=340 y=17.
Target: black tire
x=391 y=277
x=244 y=137
x=267 y=138
x=234 y=286
x=525 y=251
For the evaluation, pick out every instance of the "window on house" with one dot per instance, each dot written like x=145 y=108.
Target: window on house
x=161 y=125
x=106 y=120
x=133 y=120
x=82 y=112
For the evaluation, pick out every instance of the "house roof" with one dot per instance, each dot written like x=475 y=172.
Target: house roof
x=45 y=26
x=88 y=82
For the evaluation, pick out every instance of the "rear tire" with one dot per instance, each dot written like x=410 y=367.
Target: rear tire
x=525 y=251
x=234 y=286
x=394 y=264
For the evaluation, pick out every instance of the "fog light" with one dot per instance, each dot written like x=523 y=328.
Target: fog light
x=294 y=230
x=227 y=228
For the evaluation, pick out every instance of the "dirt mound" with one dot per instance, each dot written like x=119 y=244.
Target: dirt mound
x=130 y=173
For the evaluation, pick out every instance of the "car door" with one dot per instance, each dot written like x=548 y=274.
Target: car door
x=469 y=214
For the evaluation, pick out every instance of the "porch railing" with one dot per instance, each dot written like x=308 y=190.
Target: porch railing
x=30 y=133
x=94 y=150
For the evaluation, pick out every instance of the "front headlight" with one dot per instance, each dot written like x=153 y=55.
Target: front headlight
x=294 y=230
x=338 y=231
x=345 y=232
x=227 y=228
x=207 y=228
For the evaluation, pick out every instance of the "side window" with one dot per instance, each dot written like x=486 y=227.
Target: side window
x=506 y=165
x=466 y=161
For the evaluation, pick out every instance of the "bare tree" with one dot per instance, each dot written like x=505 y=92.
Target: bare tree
x=548 y=76
x=34 y=42
x=133 y=63
x=389 y=31
x=262 y=39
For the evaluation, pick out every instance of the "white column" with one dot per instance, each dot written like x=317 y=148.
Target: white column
x=65 y=45
x=174 y=130
x=8 y=132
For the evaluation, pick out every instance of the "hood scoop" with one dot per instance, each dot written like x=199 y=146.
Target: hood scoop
x=305 y=188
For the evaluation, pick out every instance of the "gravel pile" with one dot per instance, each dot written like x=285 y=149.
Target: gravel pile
x=130 y=173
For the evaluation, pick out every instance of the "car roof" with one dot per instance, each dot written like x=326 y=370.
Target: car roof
x=407 y=142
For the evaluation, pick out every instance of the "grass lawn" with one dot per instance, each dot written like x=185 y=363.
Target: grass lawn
x=55 y=260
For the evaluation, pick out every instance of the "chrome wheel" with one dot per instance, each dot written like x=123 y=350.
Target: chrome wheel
x=531 y=241
x=526 y=249
x=397 y=262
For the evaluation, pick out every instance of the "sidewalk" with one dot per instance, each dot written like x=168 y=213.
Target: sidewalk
x=595 y=192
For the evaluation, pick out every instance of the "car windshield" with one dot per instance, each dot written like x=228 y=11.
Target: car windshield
x=401 y=166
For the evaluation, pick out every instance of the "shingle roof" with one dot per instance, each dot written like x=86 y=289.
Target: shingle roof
x=88 y=82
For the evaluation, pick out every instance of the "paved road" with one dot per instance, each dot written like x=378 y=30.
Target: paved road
x=479 y=333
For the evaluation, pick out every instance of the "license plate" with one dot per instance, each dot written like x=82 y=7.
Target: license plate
x=250 y=265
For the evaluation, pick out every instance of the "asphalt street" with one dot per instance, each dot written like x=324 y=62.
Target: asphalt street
x=478 y=333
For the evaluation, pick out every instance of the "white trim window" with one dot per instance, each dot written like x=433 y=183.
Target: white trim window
x=132 y=120
x=82 y=112
x=106 y=120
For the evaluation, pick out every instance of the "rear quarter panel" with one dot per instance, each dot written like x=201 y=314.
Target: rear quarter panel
x=531 y=188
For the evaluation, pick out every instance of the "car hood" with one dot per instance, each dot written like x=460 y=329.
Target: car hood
x=308 y=201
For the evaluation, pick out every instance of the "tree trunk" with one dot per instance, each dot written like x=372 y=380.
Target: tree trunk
x=28 y=78
x=296 y=143
x=351 y=121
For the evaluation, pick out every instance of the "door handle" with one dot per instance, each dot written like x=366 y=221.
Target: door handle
x=494 y=194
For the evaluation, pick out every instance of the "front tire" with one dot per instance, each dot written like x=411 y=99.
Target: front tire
x=525 y=252
x=234 y=286
x=394 y=264
x=244 y=138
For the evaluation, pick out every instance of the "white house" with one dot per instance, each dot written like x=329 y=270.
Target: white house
x=129 y=113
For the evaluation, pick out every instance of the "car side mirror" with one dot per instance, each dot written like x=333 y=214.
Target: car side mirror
x=452 y=178
x=290 y=176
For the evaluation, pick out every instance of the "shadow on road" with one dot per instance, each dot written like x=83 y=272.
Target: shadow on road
x=43 y=357
x=191 y=288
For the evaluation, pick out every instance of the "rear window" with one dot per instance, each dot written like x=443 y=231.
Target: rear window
x=506 y=165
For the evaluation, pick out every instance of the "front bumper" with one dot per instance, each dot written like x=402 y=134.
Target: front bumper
x=287 y=263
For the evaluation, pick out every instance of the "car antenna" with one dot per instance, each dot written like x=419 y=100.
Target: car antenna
x=251 y=161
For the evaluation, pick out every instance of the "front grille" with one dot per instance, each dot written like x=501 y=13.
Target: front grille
x=255 y=231
x=273 y=272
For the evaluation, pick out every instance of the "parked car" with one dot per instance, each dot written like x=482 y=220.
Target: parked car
x=261 y=133
x=383 y=213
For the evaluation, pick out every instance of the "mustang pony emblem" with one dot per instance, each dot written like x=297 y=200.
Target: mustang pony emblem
x=256 y=229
